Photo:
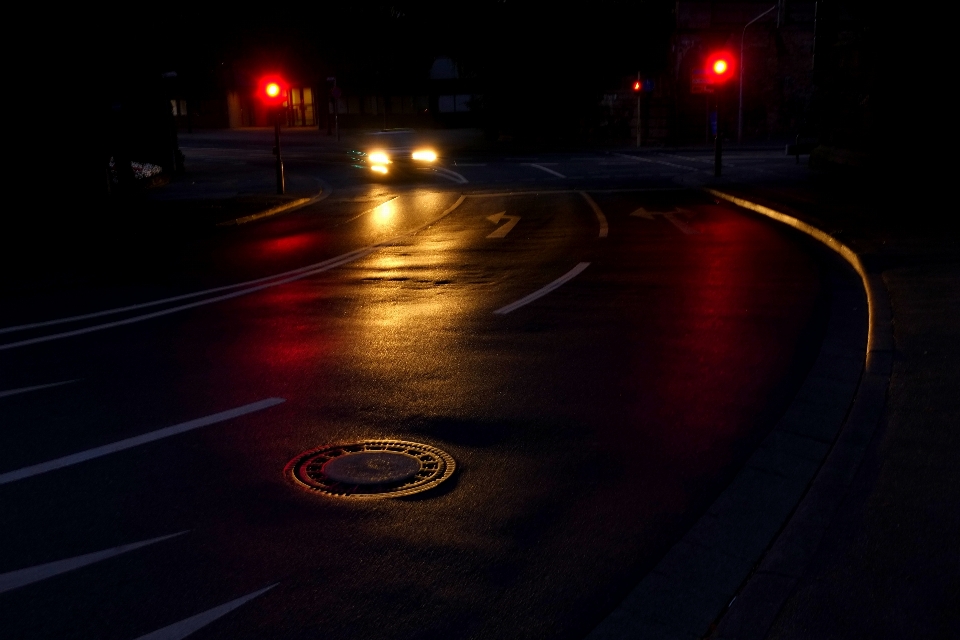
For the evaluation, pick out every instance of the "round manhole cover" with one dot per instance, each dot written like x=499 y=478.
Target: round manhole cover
x=372 y=468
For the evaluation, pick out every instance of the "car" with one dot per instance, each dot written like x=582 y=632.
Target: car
x=393 y=152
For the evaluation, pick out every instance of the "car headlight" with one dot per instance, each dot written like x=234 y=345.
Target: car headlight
x=379 y=157
x=424 y=155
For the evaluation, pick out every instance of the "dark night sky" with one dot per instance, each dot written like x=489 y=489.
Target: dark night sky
x=509 y=43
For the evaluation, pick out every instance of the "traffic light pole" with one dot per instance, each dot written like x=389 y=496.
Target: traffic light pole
x=718 y=143
x=281 y=178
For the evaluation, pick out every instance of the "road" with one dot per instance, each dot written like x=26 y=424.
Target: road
x=599 y=371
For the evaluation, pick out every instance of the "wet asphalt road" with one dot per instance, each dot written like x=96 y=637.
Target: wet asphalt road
x=590 y=427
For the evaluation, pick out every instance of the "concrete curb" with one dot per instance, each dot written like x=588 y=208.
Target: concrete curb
x=732 y=572
x=281 y=208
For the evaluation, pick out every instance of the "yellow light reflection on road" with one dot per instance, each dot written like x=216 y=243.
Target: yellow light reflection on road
x=378 y=168
x=385 y=213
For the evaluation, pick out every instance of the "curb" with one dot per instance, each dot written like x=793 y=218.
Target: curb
x=762 y=596
x=731 y=573
x=281 y=208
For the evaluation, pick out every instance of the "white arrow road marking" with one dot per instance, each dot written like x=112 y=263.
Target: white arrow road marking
x=90 y=454
x=602 y=219
x=669 y=215
x=23 y=577
x=13 y=392
x=539 y=293
x=184 y=628
x=543 y=168
x=503 y=230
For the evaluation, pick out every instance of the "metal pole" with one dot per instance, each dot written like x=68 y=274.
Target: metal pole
x=718 y=143
x=281 y=181
x=638 y=120
x=742 y=65
x=639 y=93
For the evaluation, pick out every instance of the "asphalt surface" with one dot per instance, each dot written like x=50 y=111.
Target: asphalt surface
x=591 y=427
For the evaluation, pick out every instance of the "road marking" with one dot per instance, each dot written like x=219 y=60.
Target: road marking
x=469 y=164
x=136 y=441
x=669 y=215
x=503 y=230
x=539 y=293
x=596 y=209
x=184 y=628
x=537 y=191
x=13 y=392
x=669 y=164
x=450 y=175
x=543 y=168
x=22 y=577
x=295 y=274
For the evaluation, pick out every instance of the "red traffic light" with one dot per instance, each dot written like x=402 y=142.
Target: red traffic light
x=719 y=67
x=272 y=91
x=637 y=86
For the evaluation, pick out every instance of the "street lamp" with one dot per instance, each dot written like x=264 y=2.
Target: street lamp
x=742 y=65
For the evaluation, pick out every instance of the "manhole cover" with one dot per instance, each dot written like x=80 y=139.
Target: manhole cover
x=372 y=468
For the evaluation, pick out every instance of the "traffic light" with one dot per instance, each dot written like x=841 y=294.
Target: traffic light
x=637 y=87
x=719 y=67
x=272 y=91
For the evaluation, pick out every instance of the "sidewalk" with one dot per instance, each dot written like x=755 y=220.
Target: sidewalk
x=888 y=563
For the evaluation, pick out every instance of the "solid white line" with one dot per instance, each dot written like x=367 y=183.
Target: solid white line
x=604 y=229
x=539 y=293
x=182 y=629
x=669 y=164
x=537 y=191
x=450 y=175
x=13 y=392
x=303 y=272
x=129 y=443
x=23 y=577
x=543 y=168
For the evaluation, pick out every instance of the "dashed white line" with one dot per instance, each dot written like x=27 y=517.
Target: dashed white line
x=13 y=392
x=543 y=168
x=129 y=443
x=23 y=577
x=539 y=293
x=182 y=629
x=604 y=229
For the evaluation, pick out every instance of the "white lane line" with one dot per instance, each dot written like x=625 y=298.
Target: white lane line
x=680 y=224
x=136 y=441
x=543 y=168
x=22 y=577
x=539 y=293
x=669 y=164
x=13 y=392
x=182 y=629
x=186 y=296
x=604 y=229
x=549 y=192
x=298 y=274
x=450 y=175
